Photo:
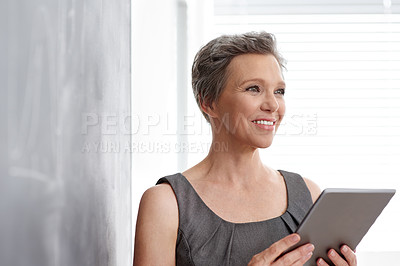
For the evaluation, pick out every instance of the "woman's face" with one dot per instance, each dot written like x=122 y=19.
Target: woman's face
x=252 y=104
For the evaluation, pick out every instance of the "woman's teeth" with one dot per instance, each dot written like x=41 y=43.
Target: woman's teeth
x=264 y=122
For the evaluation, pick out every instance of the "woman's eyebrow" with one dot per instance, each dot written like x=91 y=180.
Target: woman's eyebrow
x=252 y=80
x=280 y=83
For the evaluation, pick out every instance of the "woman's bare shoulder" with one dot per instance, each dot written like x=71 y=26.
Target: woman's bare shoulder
x=156 y=227
x=159 y=201
x=313 y=188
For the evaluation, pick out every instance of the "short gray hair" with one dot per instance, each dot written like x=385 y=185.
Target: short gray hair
x=209 y=70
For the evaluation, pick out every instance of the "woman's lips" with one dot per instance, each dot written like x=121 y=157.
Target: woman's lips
x=265 y=124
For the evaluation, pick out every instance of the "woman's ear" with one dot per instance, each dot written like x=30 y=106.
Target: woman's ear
x=208 y=109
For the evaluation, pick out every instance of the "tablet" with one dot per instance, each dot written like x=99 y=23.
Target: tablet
x=341 y=216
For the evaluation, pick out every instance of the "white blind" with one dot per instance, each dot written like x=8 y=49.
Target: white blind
x=274 y=7
x=342 y=127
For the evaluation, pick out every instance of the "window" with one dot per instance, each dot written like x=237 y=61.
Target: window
x=342 y=126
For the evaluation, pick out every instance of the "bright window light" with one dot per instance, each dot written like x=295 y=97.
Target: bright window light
x=342 y=126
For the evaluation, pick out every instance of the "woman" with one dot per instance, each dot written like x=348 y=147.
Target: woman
x=231 y=209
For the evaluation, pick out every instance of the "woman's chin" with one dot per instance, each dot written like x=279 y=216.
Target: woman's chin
x=263 y=145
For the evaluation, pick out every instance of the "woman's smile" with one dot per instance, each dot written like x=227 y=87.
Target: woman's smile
x=266 y=124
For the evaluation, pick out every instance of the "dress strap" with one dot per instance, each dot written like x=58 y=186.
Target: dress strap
x=198 y=225
x=298 y=197
x=192 y=211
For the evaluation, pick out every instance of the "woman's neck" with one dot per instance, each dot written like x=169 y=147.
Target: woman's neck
x=236 y=165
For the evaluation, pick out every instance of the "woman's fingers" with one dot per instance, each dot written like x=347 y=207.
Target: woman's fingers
x=280 y=246
x=272 y=255
x=297 y=257
x=321 y=262
x=336 y=258
x=349 y=255
x=268 y=256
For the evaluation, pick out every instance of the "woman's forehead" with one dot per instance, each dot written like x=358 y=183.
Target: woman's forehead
x=249 y=67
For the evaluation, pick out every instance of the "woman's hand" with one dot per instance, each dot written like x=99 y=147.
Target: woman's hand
x=297 y=256
x=351 y=258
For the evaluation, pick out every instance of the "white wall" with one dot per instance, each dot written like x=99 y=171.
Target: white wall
x=166 y=34
x=154 y=100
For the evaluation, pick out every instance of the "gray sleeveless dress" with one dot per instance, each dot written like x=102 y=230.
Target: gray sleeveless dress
x=206 y=239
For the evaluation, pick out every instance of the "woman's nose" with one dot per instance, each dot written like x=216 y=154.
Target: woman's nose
x=270 y=103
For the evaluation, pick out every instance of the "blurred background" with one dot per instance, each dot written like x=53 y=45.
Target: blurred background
x=65 y=198
x=96 y=106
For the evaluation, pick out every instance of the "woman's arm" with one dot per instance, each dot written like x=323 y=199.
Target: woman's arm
x=156 y=227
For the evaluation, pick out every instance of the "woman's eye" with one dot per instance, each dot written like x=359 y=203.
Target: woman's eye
x=253 y=89
x=280 y=91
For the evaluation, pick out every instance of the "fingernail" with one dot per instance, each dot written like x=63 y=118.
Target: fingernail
x=310 y=247
x=295 y=238
x=309 y=255
x=319 y=261
x=332 y=253
x=344 y=249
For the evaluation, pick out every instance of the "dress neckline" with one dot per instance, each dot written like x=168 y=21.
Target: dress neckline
x=244 y=223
